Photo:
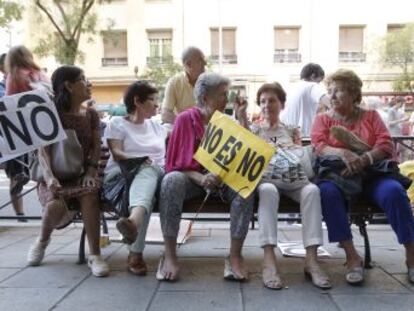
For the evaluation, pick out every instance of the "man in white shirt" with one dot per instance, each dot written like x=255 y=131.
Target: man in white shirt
x=179 y=90
x=305 y=99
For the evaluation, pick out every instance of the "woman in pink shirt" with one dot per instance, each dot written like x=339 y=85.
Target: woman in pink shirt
x=22 y=73
x=355 y=151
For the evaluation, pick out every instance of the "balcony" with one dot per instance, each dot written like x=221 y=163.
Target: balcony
x=352 y=57
x=114 y=61
x=159 y=60
x=287 y=56
x=227 y=59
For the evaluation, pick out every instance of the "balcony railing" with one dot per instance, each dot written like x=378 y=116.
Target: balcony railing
x=352 y=57
x=227 y=59
x=287 y=56
x=154 y=60
x=114 y=61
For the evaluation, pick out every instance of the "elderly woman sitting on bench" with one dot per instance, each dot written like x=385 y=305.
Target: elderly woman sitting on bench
x=355 y=152
x=187 y=179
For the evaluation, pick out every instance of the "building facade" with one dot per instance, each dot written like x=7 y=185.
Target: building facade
x=251 y=42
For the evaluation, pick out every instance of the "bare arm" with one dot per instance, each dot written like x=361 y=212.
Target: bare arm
x=207 y=181
x=116 y=146
x=167 y=116
x=324 y=104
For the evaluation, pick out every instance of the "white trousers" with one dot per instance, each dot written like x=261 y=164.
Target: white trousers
x=310 y=208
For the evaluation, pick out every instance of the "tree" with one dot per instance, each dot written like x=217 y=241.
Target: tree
x=9 y=11
x=70 y=19
x=159 y=73
x=398 y=50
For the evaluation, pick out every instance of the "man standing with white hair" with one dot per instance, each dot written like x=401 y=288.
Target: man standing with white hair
x=179 y=90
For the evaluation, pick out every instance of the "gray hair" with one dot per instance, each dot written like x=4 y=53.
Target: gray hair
x=207 y=83
x=189 y=52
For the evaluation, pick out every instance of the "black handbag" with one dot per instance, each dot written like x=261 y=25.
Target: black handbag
x=115 y=192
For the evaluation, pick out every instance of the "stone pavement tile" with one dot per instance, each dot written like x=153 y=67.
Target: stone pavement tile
x=56 y=272
x=391 y=259
x=197 y=300
x=30 y=299
x=404 y=280
x=201 y=274
x=7 y=239
x=15 y=255
x=374 y=302
x=5 y=273
x=299 y=295
x=376 y=282
x=119 y=291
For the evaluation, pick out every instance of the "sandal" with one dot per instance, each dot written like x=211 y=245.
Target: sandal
x=271 y=278
x=229 y=275
x=160 y=276
x=137 y=265
x=355 y=275
x=127 y=229
x=318 y=276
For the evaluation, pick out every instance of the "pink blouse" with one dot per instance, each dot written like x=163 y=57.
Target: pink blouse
x=24 y=78
x=369 y=128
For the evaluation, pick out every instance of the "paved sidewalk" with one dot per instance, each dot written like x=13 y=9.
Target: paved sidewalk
x=61 y=284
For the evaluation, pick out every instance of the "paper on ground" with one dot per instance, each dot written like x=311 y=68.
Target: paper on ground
x=154 y=232
x=296 y=249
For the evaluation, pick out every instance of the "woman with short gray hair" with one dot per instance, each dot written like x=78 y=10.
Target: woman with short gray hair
x=187 y=179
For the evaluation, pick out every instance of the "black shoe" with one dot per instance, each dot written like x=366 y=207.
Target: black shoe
x=21 y=219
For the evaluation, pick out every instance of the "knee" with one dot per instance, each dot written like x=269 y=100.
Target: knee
x=267 y=190
x=173 y=182
x=329 y=190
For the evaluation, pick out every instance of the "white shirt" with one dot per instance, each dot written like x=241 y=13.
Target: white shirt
x=140 y=140
x=301 y=105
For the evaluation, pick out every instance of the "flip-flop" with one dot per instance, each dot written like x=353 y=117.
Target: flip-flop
x=159 y=275
x=229 y=274
x=355 y=275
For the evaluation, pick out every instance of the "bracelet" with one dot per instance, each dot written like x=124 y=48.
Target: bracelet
x=370 y=158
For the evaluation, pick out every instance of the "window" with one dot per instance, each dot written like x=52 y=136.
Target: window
x=351 y=43
x=228 y=44
x=391 y=28
x=286 y=43
x=115 y=48
x=160 y=46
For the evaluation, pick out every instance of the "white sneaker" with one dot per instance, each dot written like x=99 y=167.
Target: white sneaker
x=98 y=266
x=37 y=252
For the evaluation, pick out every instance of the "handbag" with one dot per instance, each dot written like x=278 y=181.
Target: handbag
x=306 y=158
x=285 y=171
x=115 y=192
x=66 y=159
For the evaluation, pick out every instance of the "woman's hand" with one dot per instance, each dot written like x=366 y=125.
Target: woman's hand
x=210 y=181
x=240 y=108
x=354 y=163
x=88 y=181
x=54 y=185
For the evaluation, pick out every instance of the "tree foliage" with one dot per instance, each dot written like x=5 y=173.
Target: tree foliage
x=69 y=19
x=9 y=11
x=398 y=50
x=159 y=73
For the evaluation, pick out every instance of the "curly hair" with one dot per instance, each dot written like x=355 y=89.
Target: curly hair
x=275 y=88
x=350 y=81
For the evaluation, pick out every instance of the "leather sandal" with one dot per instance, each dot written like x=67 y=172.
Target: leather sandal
x=127 y=229
x=137 y=265
x=271 y=278
x=355 y=275
x=318 y=276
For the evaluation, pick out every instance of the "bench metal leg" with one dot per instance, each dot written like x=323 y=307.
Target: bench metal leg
x=252 y=222
x=363 y=231
x=81 y=255
x=104 y=224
